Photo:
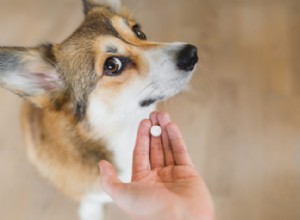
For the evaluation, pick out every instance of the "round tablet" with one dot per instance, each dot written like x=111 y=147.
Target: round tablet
x=155 y=131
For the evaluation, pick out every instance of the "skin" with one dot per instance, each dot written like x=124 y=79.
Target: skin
x=165 y=184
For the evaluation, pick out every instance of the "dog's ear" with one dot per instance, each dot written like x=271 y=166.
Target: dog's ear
x=115 y=5
x=30 y=73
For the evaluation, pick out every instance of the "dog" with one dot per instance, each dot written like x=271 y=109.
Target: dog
x=85 y=97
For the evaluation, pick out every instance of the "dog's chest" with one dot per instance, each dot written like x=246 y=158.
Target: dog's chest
x=118 y=128
x=122 y=148
x=122 y=144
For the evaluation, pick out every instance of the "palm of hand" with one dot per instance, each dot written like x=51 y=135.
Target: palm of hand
x=162 y=164
x=168 y=188
x=163 y=177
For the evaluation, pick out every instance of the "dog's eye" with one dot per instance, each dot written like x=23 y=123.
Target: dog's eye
x=137 y=30
x=113 y=66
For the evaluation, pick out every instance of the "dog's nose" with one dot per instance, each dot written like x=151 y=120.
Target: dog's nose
x=187 y=58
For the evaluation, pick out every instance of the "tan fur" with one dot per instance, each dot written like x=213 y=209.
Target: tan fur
x=130 y=37
x=61 y=153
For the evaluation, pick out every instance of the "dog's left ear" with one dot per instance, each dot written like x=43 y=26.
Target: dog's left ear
x=115 y=5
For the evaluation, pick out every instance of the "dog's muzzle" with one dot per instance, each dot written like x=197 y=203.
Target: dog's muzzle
x=187 y=58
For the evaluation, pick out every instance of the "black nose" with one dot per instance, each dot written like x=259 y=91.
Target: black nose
x=187 y=58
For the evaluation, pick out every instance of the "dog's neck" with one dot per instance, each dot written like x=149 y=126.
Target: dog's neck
x=119 y=133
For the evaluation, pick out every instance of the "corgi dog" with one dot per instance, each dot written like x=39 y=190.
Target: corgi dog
x=85 y=97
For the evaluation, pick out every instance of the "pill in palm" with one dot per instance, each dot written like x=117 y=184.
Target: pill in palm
x=155 y=131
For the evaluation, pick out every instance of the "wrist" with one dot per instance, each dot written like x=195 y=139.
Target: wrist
x=198 y=212
x=170 y=211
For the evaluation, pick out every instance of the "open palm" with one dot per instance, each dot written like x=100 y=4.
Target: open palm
x=165 y=184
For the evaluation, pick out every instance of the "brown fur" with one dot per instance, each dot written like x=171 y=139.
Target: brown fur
x=55 y=144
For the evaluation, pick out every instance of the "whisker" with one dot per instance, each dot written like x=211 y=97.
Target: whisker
x=146 y=87
x=132 y=102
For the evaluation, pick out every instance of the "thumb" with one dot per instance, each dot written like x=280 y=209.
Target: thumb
x=109 y=180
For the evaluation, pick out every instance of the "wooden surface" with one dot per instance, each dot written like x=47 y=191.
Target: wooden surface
x=240 y=118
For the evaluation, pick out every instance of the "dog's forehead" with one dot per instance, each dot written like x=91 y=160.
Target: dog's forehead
x=100 y=22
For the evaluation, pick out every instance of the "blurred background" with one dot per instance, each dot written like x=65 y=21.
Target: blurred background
x=240 y=117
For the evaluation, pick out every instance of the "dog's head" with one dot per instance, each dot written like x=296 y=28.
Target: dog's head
x=106 y=66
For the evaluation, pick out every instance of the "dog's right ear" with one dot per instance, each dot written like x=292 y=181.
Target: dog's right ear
x=30 y=73
x=115 y=5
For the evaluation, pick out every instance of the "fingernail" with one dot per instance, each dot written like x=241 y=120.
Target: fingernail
x=163 y=117
x=172 y=130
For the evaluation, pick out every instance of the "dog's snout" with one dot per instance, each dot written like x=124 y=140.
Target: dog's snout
x=187 y=58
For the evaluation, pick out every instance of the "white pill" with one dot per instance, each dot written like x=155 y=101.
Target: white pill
x=155 y=131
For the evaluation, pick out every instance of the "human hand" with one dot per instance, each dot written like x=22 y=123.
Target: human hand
x=165 y=185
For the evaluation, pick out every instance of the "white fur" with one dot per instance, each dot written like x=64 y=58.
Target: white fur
x=92 y=206
x=163 y=71
x=117 y=123
x=118 y=127
x=115 y=117
x=90 y=210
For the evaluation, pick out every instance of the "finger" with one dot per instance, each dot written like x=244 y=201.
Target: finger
x=156 y=150
x=141 y=160
x=109 y=180
x=179 y=149
x=164 y=120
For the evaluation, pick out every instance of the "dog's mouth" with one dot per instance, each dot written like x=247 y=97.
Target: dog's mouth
x=147 y=102
x=164 y=91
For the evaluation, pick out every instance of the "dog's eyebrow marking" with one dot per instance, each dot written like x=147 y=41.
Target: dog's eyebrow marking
x=136 y=25
x=126 y=22
x=111 y=49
